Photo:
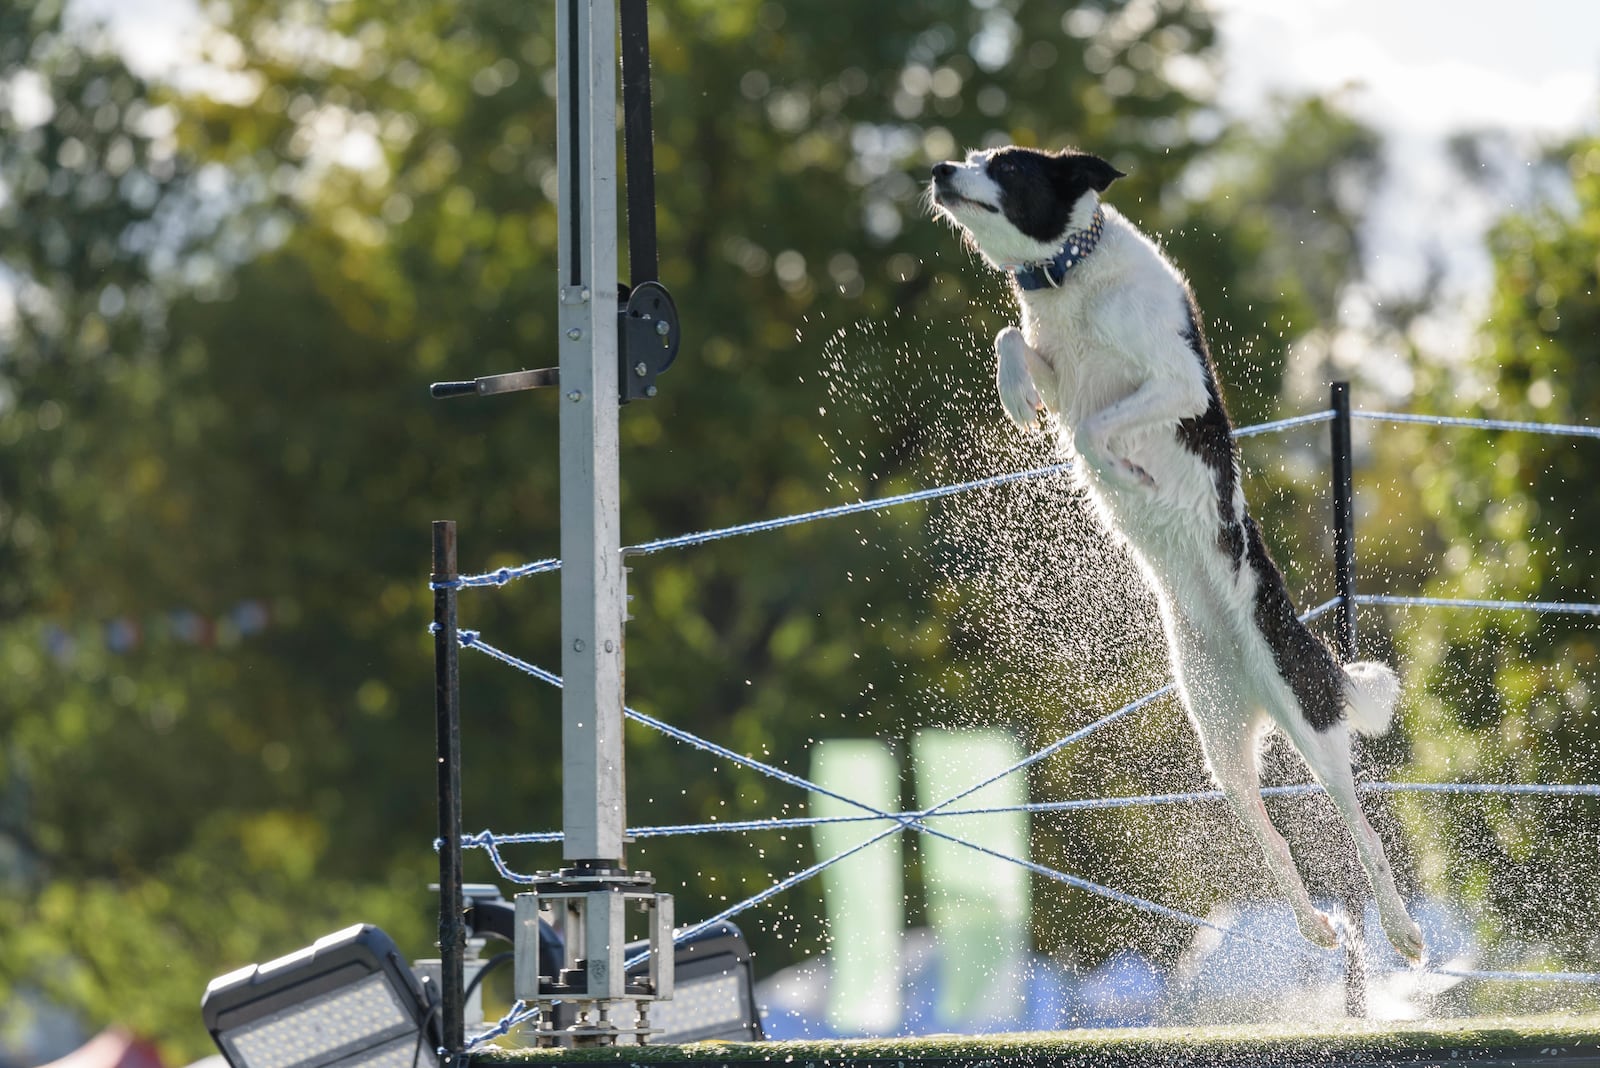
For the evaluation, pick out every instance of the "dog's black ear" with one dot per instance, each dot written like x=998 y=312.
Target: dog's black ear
x=1087 y=171
x=1097 y=173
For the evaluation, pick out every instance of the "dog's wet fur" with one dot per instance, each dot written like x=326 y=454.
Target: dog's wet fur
x=1112 y=355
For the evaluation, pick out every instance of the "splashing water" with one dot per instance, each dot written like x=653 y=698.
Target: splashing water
x=1051 y=625
x=1024 y=570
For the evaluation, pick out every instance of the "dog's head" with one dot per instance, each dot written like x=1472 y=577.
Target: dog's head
x=1016 y=205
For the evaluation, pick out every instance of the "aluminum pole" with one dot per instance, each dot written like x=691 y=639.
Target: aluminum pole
x=591 y=540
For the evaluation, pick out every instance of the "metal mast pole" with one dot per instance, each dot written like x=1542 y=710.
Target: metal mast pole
x=592 y=598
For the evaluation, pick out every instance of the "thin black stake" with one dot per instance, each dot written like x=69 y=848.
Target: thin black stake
x=1344 y=557
x=1344 y=541
x=447 y=720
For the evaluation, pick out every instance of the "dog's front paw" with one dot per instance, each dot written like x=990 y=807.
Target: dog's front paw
x=1406 y=937
x=1318 y=929
x=1019 y=396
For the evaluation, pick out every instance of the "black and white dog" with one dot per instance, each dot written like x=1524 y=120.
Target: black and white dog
x=1111 y=343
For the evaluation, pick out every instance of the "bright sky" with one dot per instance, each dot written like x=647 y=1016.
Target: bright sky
x=1422 y=70
x=1427 y=65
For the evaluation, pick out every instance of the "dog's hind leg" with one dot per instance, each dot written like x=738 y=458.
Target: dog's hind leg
x=1107 y=436
x=1328 y=755
x=1233 y=761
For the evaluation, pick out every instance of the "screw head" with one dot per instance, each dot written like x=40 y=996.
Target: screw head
x=609 y=646
x=650 y=391
x=575 y=396
x=640 y=369
x=577 y=645
x=574 y=334
x=663 y=327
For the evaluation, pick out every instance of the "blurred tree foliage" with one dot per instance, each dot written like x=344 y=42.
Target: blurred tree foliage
x=225 y=306
x=1509 y=696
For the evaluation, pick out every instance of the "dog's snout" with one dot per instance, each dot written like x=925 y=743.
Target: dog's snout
x=942 y=171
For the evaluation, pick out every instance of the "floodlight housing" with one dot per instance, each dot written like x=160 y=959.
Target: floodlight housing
x=349 y=1000
x=714 y=991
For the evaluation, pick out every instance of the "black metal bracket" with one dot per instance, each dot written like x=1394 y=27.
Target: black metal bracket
x=648 y=335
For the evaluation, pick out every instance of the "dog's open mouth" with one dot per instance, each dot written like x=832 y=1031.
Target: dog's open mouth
x=950 y=198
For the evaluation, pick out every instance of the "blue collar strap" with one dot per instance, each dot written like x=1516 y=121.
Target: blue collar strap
x=1075 y=250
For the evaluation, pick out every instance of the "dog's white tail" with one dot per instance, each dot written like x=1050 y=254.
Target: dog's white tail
x=1370 y=692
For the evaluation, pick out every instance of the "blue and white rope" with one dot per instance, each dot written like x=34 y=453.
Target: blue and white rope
x=501 y=576
x=471 y=639
x=1325 y=416
x=1083 y=804
x=872 y=505
x=1144 y=905
x=1550 y=607
x=1555 y=429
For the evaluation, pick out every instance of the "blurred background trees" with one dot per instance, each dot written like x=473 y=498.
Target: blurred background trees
x=219 y=309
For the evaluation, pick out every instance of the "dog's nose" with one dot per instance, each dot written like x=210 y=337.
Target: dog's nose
x=943 y=170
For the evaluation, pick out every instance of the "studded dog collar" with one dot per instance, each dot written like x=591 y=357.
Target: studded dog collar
x=1075 y=250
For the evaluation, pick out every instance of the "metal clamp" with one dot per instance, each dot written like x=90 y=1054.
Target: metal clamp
x=588 y=910
x=648 y=335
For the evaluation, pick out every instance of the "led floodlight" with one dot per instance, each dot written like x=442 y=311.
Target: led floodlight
x=713 y=993
x=349 y=1000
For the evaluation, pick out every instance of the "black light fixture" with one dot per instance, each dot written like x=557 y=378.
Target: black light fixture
x=349 y=1000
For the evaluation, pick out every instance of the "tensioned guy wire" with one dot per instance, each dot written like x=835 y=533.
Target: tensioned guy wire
x=482 y=839
x=1553 y=429
x=1547 y=607
x=501 y=576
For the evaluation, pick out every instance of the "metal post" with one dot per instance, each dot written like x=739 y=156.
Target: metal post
x=1344 y=542
x=447 y=719
x=591 y=538
x=1344 y=567
x=591 y=894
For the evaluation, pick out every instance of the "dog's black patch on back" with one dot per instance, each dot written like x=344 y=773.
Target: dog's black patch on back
x=1304 y=660
x=1040 y=189
x=1210 y=437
